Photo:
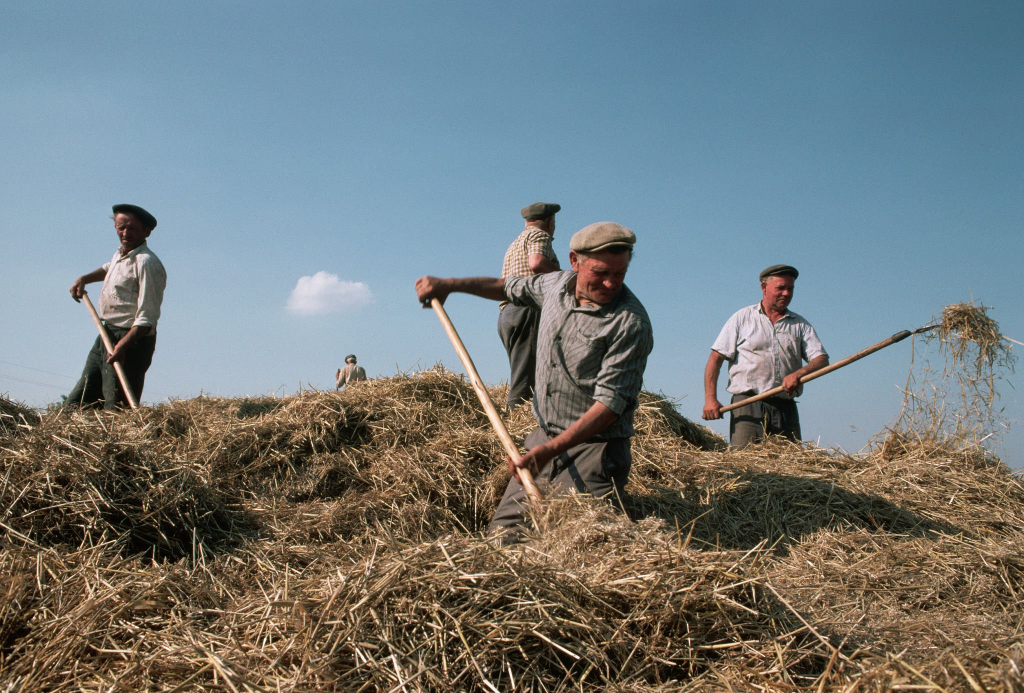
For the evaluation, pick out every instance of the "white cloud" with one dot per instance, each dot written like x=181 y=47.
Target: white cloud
x=325 y=293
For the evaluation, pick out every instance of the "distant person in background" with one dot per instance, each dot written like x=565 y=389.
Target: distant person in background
x=765 y=345
x=529 y=254
x=351 y=373
x=129 y=305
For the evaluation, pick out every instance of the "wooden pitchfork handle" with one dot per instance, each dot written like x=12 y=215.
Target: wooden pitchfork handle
x=898 y=337
x=485 y=399
x=110 y=350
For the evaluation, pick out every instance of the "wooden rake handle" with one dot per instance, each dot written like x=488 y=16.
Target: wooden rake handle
x=110 y=350
x=898 y=337
x=485 y=399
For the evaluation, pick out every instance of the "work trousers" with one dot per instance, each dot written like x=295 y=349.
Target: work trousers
x=773 y=416
x=599 y=468
x=99 y=383
x=517 y=327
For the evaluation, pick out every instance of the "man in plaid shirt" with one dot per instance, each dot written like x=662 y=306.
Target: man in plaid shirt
x=529 y=254
x=592 y=347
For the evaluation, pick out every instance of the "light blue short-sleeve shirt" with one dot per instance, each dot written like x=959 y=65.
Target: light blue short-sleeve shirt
x=761 y=354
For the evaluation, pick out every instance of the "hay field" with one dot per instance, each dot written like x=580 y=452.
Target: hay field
x=331 y=541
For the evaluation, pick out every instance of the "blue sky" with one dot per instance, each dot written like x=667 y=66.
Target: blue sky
x=877 y=146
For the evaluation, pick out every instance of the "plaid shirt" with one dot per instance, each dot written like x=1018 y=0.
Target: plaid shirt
x=585 y=354
x=532 y=241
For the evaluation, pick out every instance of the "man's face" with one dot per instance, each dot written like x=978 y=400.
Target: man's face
x=777 y=292
x=599 y=277
x=130 y=231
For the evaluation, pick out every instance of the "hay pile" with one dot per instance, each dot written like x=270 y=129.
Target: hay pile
x=330 y=541
x=15 y=417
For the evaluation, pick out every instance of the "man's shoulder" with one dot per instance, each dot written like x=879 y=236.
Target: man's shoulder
x=148 y=258
x=746 y=313
x=631 y=307
x=797 y=318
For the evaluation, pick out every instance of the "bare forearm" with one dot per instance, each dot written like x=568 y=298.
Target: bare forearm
x=817 y=363
x=594 y=421
x=97 y=275
x=711 y=372
x=428 y=288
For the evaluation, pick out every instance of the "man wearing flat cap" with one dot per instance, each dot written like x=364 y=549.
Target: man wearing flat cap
x=129 y=305
x=766 y=345
x=593 y=341
x=529 y=254
x=351 y=373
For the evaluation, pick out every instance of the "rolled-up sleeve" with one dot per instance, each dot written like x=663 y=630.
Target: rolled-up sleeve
x=529 y=291
x=622 y=369
x=152 y=281
x=811 y=345
x=728 y=339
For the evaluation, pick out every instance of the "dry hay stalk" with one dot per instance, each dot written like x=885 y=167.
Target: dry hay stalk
x=15 y=417
x=958 y=399
x=330 y=541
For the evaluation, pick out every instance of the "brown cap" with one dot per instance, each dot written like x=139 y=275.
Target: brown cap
x=601 y=236
x=540 y=210
x=778 y=271
x=147 y=219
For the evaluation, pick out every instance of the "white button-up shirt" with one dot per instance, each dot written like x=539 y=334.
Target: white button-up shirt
x=760 y=354
x=133 y=289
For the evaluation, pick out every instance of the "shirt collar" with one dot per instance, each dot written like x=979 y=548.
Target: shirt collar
x=131 y=253
x=760 y=309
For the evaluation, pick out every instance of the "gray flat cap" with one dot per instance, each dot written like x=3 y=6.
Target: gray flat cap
x=778 y=271
x=601 y=236
x=540 y=210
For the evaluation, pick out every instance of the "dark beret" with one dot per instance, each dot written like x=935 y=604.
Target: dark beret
x=147 y=219
x=350 y=356
x=778 y=271
x=540 y=210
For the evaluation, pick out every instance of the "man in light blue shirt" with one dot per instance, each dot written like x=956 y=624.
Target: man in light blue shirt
x=765 y=345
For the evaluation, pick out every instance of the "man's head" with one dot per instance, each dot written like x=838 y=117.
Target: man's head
x=777 y=285
x=351 y=358
x=133 y=225
x=541 y=215
x=600 y=255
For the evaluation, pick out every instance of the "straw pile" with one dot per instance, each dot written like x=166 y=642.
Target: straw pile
x=330 y=541
x=15 y=417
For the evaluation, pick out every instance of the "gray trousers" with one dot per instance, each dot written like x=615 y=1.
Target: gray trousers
x=600 y=468
x=517 y=327
x=99 y=383
x=775 y=416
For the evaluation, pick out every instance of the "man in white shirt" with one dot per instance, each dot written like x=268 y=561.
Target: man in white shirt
x=129 y=304
x=765 y=345
x=351 y=373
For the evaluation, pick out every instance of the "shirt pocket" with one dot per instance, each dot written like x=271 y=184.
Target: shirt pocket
x=583 y=356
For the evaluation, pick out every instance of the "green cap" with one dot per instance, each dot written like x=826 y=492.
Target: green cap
x=147 y=219
x=778 y=271
x=601 y=236
x=540 y=210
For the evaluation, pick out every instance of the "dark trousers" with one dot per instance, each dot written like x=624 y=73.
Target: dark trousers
x=517 y=327
x=773 y=416
x=600 y=468
x=99 y=383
